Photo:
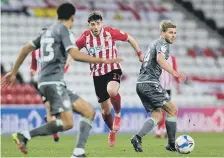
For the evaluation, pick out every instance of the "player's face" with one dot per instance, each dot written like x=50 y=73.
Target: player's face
x=96 y=26
x=170 y=35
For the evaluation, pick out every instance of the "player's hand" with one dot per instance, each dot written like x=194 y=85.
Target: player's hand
x=110 y=61
x=141 y=57
x=179 y=75
x=8 y=79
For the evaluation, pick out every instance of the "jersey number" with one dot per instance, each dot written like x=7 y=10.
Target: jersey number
x=47 y=52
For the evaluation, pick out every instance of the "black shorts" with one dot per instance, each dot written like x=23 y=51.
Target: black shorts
x=100 y=84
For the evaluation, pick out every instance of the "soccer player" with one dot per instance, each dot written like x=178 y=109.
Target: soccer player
x=55 y=44
x=99 y=41
x=153 y=96
x=34 y=68
x=167 y=81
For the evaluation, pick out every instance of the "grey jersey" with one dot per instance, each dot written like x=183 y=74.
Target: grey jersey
x=150 y=69
x=54 y=44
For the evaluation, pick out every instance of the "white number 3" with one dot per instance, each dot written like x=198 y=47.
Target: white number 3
x=47 y=52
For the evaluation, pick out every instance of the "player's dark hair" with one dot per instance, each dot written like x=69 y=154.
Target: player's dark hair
x=94 y=16
x=65 y=11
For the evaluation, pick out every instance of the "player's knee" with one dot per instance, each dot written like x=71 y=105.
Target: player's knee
x=68 y=125
x=106 y=111
x=157 y=114
x=106 y=107
x=112 y=92
x=173 y=112
x=67 y=121
x=90 y=114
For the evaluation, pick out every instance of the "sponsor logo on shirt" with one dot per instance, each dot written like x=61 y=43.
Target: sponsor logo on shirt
x=92 y=50
x=164 y=48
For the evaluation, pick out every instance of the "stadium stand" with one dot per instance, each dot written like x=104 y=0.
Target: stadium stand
x=210 y=12
x=199 y=55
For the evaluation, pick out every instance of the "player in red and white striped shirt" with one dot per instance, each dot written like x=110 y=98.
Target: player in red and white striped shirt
x=36 y=68
x=167 y=81
x=99 y=41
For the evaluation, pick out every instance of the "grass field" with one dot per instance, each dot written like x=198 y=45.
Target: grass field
x=206 y=145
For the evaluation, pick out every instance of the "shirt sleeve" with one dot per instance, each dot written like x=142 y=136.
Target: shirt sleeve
x=118 y=35
x=33 y=65
x=80 y=43
x=67 y=38
x=36 y=42
x=161 y=48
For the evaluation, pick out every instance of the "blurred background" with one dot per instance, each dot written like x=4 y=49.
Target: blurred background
x=199 y=52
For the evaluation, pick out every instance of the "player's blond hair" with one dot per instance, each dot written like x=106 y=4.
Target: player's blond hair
x=165 y=24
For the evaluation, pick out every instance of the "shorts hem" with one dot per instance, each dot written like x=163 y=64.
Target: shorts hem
x=56 y=113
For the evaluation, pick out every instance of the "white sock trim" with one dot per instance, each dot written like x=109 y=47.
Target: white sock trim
x=87 y=121
x=26 y=134
x=118 y=114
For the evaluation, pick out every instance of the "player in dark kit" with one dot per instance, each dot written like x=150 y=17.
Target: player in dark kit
x=55 y=44
x=153 y=96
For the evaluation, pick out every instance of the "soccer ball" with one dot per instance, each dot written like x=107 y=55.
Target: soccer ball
x=184 y=144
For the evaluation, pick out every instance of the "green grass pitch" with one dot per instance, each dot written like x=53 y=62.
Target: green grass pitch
x=206 y=145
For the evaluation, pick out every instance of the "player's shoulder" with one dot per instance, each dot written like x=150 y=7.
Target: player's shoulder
x=86 y=33
x=57 y=25
x=57 y=28
x=161 y=41
x=109 y=29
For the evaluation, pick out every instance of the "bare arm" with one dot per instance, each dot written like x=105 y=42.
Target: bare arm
x=166 y=66
x=135 y=45
x=10 y=77
x=22 y=55
x=69 y=60
x=78 y=56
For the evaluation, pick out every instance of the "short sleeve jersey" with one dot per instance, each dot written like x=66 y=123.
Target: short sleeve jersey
x=54 y=44
x=150 y=69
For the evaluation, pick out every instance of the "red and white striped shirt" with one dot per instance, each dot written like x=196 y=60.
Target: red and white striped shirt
x=102 y=46
x=167 y=80
x=34 y=62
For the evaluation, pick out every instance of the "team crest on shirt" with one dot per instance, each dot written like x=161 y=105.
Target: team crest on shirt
x=91 y=50
x=107 y=38
x=164 y=48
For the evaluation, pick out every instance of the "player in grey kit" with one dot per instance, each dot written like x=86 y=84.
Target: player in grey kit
x=151 y=93
x=55 y=44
